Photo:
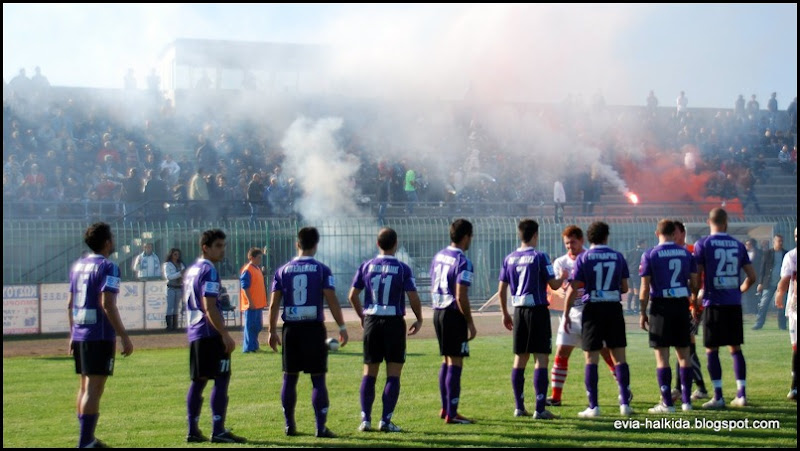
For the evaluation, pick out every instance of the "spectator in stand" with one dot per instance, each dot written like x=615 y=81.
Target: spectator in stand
x=198 y=194
x=173 y=169
x=35 y=182
x=738 y=108
x=791 y=110
x=752 y=108
x=155 y=195
x=132 y=194
x=652 y=103
x=683 y=104
x=255 y=197
x=785 y=160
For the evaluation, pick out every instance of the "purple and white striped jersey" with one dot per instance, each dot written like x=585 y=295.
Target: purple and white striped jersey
x=301 y=281
x=449 y=268
x=385 y=280
x=526 y=271
x=201 y=281
x=722 y=256
x=88 y=279
x=601 y=269
x=668 y=266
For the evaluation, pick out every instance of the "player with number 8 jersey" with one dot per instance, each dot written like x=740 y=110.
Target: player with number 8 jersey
x=451 y=277
x=302 y=284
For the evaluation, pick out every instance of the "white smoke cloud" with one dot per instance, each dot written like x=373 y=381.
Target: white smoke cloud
x=323 y=171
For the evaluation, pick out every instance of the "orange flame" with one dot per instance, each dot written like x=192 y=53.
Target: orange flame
x=633 y=198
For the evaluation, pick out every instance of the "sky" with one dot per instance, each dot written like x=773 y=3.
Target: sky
x=540 y=53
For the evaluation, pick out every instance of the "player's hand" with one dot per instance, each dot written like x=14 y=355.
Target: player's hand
x=230 y=345
x=695 y=314
x=508 y=322
x=567 y=324
x=472 y=330
x=759 y=287
x=779 y=302
x=415 y=327
x=127 y=346
x=69 y=347
x=644 y=322
x=274 y=341
x=362 y=321
x=343 y=337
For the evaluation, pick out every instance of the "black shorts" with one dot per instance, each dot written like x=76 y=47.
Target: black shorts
x=669 y=325
x=722 y=326
x=603 y=326
x=532 y=332
x=451 y=331
x=304 y=347
x=208 y=359
x=384 y=339
x=94 y=358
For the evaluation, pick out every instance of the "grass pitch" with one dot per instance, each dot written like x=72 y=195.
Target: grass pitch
x=144 y=403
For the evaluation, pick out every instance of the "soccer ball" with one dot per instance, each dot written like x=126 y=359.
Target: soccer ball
x=333 y=344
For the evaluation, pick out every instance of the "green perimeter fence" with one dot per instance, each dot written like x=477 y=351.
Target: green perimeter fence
x=42 y=251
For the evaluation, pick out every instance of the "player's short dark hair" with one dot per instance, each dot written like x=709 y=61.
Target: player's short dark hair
x=666 y=227
x=307 y=238
x=459 y=229
x=254 y=252
x=572 y=231
x=679 y=225
x=526 y=229
x=598 y=232
x=718 y=216
x=96 y=236
x=387 y=238
x=209 y=236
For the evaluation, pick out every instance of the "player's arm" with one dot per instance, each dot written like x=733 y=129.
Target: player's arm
x=462 y=297
x=572 y=292
x=108 y=301
x=697 y=286
x=644 y=299
x=502 y=295
x=780 y=292
x=218 y=322
x=69 y=317
x=355 y=302
x=416 y=307
x=274 y=312
x=336 y=311
x=751 y=278
x=623 y=286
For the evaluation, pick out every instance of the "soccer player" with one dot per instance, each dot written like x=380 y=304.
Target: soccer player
x=210 y=344
x=788 y=283
x=252 y=299
x=95 y=323
x=695 y=315
x=603 y=274
x=669 y=274
x=566 y=342
x=719 y=258
x=451 y=277
x=386 y=281
x=302 y=284
x=528 y=272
